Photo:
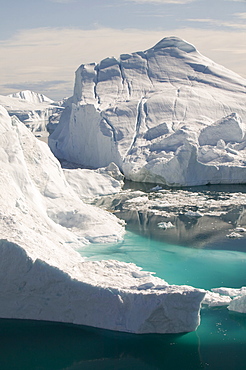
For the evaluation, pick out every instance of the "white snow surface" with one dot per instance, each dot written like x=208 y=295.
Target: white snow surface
x=167 y=115
x=43 y=277
x=92 y=183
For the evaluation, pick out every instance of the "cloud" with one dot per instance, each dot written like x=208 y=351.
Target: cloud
x=240 y=15
x=162 y=1
x=220 y=23
x=47 y=58
x=37 y=86
x=138 y=1
x=63 y=1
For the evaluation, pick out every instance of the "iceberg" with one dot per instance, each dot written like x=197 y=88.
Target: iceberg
x=43 y=223
x=31 y=97
x=33 y=109
x=167 y=115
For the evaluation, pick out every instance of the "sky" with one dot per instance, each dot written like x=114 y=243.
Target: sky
x=43 y=42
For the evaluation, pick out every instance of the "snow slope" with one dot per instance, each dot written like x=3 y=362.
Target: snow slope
x=165 y=115
x=43 y=277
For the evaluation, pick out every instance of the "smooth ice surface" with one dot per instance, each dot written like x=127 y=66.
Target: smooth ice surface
x=166 y=115
x=43 y=277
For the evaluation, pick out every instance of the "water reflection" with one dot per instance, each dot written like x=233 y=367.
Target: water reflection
x=196 y=217
x=36 y=345
x=32 y=345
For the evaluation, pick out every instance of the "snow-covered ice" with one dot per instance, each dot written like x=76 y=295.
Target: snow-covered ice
x=167 y=115
x=42 y=276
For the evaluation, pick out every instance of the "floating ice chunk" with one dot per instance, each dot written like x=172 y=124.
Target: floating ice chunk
x=234 y=235
x=241 y=229
x=231 y=292
x=238 y=304
x=143 y=199
x=165 y=225
x=156 y=188
x=213 y=299
x=193 y=214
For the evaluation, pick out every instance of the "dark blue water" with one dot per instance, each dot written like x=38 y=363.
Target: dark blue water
x=219 y=342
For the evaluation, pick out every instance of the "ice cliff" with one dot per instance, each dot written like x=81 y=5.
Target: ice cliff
x=42 y=275
x=166 y=115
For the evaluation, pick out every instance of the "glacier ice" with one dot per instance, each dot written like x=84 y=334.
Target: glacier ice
x=42 y=275
x=167 y=115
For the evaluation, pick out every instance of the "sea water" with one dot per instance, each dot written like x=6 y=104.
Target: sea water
x=218 y=343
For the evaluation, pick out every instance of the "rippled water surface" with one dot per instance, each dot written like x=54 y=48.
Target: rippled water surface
x=219 y=342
